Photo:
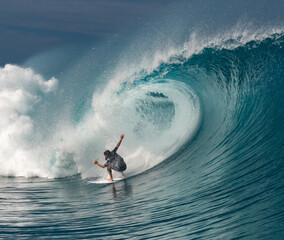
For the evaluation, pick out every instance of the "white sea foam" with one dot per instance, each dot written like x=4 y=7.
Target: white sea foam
x=21 y=90
x=69 y=149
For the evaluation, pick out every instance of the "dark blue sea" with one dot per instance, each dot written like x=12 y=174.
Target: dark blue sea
x=201 y=107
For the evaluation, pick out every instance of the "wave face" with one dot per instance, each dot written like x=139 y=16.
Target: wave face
x=158 y=104
x=203 y=122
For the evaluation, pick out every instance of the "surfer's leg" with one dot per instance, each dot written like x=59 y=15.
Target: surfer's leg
x=110 y=174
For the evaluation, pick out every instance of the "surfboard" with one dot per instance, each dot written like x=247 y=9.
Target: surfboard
x=104 y=181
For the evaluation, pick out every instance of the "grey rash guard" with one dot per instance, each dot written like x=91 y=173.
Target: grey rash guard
x=115 y=161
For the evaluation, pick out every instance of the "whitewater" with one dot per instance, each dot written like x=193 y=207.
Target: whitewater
x=203 y=124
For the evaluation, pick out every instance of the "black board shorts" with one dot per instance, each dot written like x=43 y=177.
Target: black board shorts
x=118 y=165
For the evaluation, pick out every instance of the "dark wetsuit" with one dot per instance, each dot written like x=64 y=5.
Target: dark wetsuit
x=115 y=162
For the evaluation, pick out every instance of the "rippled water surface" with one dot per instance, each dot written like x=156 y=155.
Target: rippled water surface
x=204 y=136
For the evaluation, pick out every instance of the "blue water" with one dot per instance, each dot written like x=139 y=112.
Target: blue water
x=204 y=137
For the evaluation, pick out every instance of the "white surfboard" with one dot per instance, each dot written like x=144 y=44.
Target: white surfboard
x=104 y=181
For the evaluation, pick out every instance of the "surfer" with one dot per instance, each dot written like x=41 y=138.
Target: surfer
x=113 y=161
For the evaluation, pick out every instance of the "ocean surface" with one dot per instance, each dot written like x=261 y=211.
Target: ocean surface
x=203 y=119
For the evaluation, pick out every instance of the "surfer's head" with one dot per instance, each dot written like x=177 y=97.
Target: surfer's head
x=106 y=153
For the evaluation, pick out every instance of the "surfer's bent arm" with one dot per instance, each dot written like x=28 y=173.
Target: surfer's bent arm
x=100 y=165
x=121 y=137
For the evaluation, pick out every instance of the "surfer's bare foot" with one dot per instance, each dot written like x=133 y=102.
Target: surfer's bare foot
x=110 y=179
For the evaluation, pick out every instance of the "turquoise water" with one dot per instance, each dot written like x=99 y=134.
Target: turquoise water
x=203 y=124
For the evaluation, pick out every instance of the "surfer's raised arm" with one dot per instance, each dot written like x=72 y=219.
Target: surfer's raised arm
x=121 y=137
